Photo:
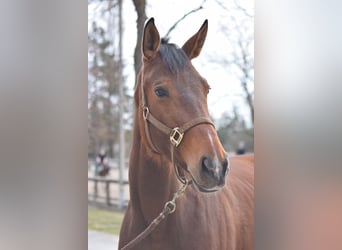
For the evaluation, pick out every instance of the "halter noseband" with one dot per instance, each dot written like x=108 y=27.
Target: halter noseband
x=175 y=134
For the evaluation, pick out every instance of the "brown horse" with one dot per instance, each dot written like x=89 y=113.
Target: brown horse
x=175 y=141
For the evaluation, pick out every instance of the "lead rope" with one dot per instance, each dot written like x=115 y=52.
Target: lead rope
x=169 y=208
x=182 y=179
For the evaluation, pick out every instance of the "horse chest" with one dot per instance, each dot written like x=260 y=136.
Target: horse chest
x=203 y=227
x=194 y=225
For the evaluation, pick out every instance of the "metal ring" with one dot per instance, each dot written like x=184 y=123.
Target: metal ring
x=172 y=208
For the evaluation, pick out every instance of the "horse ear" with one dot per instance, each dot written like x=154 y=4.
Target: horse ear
x=151 y=40
x=194 y=45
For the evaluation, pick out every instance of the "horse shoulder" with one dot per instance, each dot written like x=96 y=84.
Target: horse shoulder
x=239 y=193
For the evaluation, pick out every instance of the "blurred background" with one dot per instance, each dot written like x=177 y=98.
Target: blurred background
x=45 y=81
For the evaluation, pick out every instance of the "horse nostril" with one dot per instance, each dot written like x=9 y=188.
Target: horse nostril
x=210 y=166
x=225 y=166
x=206 y=164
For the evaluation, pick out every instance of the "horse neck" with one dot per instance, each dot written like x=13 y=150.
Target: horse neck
x=151 y=177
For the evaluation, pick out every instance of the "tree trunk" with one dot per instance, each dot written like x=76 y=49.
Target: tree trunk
x=122 y=146
x=140 y=6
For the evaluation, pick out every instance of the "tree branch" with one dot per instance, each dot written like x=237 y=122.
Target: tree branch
x=182 y=18
x=239 y=7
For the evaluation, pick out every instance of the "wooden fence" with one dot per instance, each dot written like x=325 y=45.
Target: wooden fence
x=105 y=192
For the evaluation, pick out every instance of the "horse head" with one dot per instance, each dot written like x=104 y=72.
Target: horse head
x=172 y=96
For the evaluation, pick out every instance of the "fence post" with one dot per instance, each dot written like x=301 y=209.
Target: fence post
x=95 y=190
x=97 y=197
x=108 y=193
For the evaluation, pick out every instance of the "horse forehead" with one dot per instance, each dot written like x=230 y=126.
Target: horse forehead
x=184 y=77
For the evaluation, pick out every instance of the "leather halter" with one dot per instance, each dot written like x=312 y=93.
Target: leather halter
x=175 y=134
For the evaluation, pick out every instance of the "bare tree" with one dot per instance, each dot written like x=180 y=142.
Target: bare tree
x=140 y=7
x=244 y=63
x=103 y=87
x=241 y=60
x=106 y=84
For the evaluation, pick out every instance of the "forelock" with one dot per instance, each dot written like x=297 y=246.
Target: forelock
x=173 y=57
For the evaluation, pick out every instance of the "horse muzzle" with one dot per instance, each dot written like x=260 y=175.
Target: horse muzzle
x=213 y=174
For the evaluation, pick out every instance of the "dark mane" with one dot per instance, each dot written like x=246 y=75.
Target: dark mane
x=173 y=57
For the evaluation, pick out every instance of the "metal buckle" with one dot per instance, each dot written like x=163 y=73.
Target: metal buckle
x=176 y=136
x=146 y=111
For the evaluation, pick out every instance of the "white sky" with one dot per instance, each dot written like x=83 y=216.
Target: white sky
x=225 y=89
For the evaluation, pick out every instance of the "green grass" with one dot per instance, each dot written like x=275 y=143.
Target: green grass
x=104 y=221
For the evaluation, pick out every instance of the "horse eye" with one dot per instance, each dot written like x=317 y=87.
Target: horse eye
x=161 y=92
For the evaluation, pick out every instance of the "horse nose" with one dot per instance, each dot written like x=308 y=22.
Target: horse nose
x=214 y=168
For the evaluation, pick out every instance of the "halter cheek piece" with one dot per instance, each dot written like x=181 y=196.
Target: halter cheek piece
x=175 y=134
